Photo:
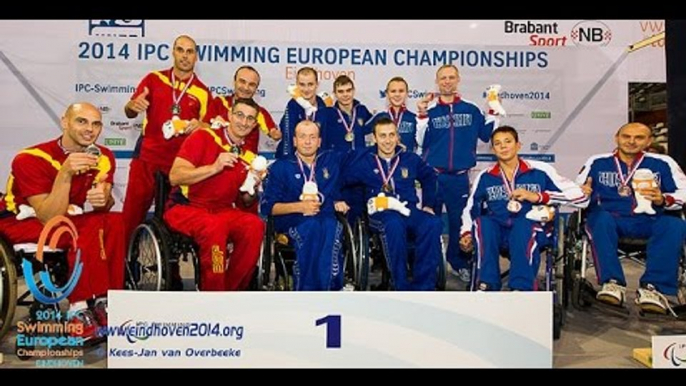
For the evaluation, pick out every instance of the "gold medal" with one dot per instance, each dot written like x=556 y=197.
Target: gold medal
x=349 y=136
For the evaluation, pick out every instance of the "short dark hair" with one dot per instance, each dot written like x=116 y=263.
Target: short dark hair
x=383 y=121
x=342 y=80
x=505 y=129
x=247 y=102
x=305 y=121
x=305 y=70
x=246 y=67
x=397 y=79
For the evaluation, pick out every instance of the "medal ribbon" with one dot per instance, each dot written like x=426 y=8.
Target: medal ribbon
x=624 y=181
x=386 y=179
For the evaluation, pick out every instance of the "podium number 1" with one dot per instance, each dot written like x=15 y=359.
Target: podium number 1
x=333 y=330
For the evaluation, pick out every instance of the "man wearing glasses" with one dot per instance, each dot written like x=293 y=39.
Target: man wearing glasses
x=206 y=203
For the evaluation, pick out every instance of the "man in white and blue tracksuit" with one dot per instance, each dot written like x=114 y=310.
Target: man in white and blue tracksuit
x=497 y=213
x=454 y=126
x=611 y=215
x=307 y=82
x=387 y=168
x=308 y=219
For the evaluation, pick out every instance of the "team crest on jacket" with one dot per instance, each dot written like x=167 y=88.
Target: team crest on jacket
x=360 y=121
x=404 y=172
x=326 y=173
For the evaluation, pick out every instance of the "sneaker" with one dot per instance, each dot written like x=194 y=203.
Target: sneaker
x=100 y=312
x=483 y=287
x=348 y=287
x=612 y=293
x=84 y=318
x=464 y=274
x=176 y=280
x=650 y=300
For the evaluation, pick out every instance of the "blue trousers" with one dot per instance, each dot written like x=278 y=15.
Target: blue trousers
x=318 y=250
x=665 y=236
x=453 y=191
x=393 y=229
x=522 y=237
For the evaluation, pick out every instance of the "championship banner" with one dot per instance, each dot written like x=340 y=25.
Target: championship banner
x=564 y=83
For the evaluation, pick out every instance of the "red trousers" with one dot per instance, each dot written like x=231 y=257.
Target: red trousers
x=140 y=192
x=213 y=230
x=101 y=241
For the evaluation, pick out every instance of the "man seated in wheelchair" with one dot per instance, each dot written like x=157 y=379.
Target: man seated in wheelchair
x=206 y=204
x=508 y=208
x=302 y=192
x=389 y=173
x=629 y=191
x=64 y=177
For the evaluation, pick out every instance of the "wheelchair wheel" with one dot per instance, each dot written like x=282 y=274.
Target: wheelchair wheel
x=441 y=278
x=351 y=258
x=364 y=256
x=558 y=320
x=147 y=267
x=559 y=264
x=8 y=288
x=571 y=256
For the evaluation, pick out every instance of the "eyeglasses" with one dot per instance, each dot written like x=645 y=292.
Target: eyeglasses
x=249 y=118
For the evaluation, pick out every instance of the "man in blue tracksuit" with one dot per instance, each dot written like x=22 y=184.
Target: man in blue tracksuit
x=608 y=179
x=497 y=215
x=404 y=119
x=386 y=168
x=454 y=125
x=345 y=132
x=307 y=82
x=346 y=119
x=300 y=192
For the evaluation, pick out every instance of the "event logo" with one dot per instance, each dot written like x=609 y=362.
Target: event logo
x=675 y=353
x=104 y=109
x=541 y=115
x=117 y=28
x=47 y=292
x=115 y=141
x=591 y=33
x=539 y=34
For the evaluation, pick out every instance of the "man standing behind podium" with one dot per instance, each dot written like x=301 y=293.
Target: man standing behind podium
x=173 y=97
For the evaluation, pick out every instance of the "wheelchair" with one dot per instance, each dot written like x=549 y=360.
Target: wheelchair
x=371 y=251
x=554 y=276
x=277 y=257
x=54 y=264
x=578 y=259
x=155 y=251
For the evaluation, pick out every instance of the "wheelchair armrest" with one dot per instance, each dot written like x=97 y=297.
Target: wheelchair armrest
x=33 y=248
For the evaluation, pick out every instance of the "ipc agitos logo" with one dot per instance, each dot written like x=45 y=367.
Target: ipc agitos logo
x=47 y=292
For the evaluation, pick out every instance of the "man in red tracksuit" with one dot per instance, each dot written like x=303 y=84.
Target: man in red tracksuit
x=58 y=178
x=164 y=95
x=209 y=170
x=246 y=80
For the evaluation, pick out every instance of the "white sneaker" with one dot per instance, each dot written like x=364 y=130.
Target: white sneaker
x=650 y=300
x=348 y=287
x=464 y=274
x=612 y=293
